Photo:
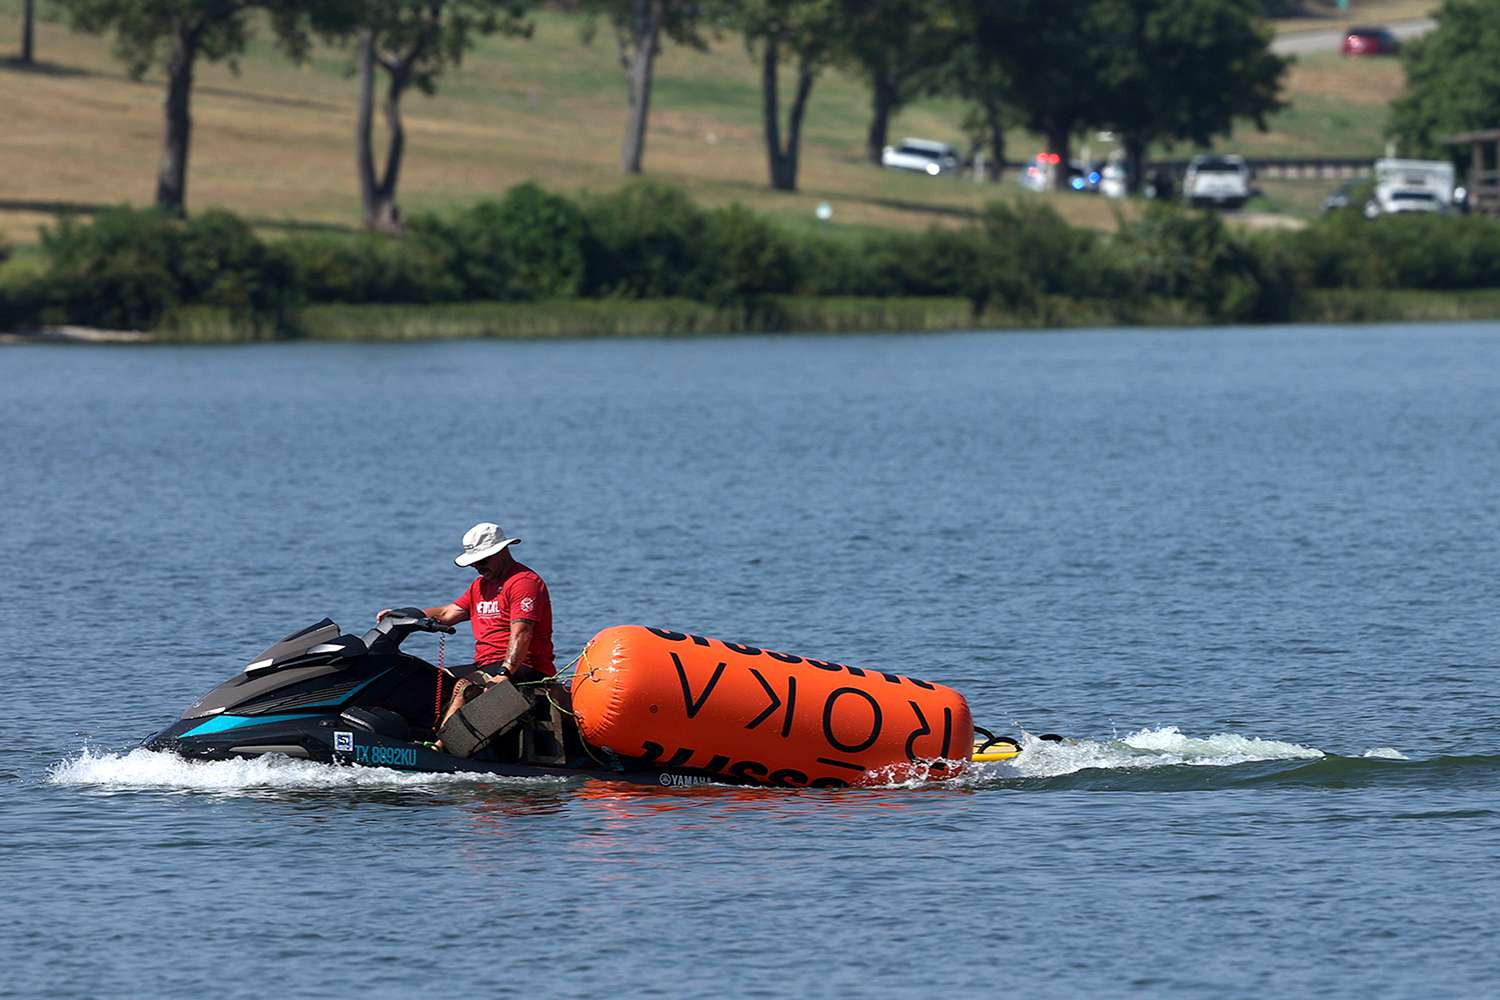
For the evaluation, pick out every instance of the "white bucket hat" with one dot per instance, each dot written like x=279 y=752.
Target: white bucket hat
x=482 y=541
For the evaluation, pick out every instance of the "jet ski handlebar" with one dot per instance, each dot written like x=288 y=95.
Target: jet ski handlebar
x=399 y=624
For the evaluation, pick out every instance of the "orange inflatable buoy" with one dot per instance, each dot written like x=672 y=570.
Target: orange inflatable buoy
x=672 y=699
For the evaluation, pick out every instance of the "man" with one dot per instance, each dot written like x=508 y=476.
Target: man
x=510 y=611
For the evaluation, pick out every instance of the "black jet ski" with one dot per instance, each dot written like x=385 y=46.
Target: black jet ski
x=324 y=695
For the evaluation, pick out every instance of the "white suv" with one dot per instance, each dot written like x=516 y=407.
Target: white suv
x=922 y=155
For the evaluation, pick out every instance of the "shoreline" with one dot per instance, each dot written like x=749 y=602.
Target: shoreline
x=592 y=318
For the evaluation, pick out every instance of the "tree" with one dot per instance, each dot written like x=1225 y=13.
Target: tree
x=28 y=32
x=804 y=29
x=412 y=42
x=1452 y=78
x=1041 y=55
x=973 y=69
x=638 y=26
x=175 y=34
x=898 y=46
x=1182 y=70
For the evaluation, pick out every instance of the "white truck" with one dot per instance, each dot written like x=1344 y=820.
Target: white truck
x=1221 y=181
x=1411 y=186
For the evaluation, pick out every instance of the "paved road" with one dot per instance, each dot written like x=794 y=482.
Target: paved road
x=1331 y=39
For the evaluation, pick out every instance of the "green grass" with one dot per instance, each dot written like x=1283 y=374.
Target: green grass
x=583 y=319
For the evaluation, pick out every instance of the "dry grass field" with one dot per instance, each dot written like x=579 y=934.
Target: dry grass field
x=275 y=142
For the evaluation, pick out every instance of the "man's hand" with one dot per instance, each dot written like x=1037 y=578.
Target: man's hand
x=382 y=613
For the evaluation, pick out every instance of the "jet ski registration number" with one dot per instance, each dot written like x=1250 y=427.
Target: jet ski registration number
x=387 y=756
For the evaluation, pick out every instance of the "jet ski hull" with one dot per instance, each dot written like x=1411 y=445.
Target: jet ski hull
x=331 y=740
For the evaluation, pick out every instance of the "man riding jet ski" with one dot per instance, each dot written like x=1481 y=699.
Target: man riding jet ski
x=323 y=695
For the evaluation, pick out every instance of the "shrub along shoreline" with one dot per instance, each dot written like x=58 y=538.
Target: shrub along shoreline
x=645 y=260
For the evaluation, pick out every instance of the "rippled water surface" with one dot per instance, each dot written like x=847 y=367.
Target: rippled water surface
x=1250 y=573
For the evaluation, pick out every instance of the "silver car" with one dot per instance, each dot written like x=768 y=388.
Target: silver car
x=922 y=155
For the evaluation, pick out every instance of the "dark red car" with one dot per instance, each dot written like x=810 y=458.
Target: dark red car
x=1370 y=42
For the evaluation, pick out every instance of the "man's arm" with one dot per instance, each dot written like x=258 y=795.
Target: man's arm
x=520 y=644
x=448 y=614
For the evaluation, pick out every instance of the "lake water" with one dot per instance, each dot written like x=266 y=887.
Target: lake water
x=1252 y=572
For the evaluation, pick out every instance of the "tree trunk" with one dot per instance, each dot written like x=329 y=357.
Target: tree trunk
x=883 y=97
x=770 y=112
x=1059 y=141
x=28 y=31
x=783 y=159
x=171 y=178
x=364 y=147
x=805 y=77
x=390 y=216
x=1135 y=164
x=645 y=30
x=377 y=195
x=995 y=129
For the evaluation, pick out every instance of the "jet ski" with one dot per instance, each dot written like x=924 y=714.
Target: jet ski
x=325 y=695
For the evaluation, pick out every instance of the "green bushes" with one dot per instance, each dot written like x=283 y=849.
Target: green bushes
x=1229 y=277
x=372 y=269
x=1410 y=250
x=129 y=268
x=645 y=241
x=528 y=245
x=1018 y=261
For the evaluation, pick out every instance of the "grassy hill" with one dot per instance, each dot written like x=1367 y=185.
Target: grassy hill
x=275 y=143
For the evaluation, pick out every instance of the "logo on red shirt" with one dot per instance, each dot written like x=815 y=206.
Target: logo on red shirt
x=527 y=603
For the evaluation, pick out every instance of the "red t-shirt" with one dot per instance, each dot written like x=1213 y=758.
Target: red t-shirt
x=493 y=606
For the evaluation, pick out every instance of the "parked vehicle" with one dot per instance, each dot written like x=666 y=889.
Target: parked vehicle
x=1411 y=186
x=1082 y=176
x=1113 y=179
x=1219 y=181
x=1370 y=41
x=1343 y=195
x=922 y=155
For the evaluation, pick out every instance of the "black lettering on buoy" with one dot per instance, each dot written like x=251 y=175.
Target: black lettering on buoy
x=742 y=769
x=947 y=733
x=735 y=647
x=922 y=684
x=666 y=634
x=770 y=693
x=911 y=751
x=716 y=763
x=783 y=657
x=787 y=776
x=839 y=763
x=791 y=706
x=698 y=640
x=776 y=702
x=651 y=753
x=890 y=678
x=825 y=665
x=855 y=671
x=834 y=741
x=694 y=707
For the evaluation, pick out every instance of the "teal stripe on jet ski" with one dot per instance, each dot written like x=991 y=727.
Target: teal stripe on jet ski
x=224 y=723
